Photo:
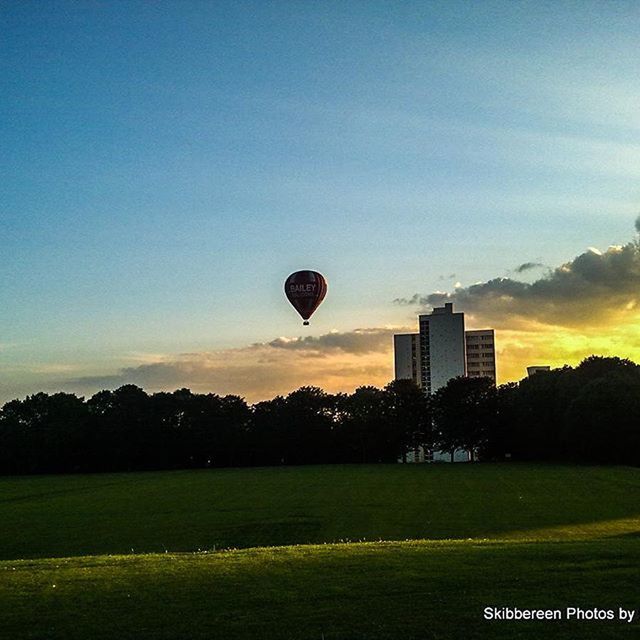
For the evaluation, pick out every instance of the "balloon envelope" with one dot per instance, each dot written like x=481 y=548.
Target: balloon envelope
x=305 y=290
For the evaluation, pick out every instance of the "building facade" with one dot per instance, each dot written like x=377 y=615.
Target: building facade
x=406 y=353
x=537 y=368
x=443 y=350
x=481 y=353
x=442 y=347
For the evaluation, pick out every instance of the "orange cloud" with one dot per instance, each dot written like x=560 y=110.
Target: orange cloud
x=334 y=361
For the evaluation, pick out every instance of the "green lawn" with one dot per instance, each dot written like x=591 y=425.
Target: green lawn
x=190 y=510
x=469 y=536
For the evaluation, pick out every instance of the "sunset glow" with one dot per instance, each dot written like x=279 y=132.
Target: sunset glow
x=168 y=166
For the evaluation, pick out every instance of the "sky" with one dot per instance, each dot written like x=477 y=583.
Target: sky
x=165 y=166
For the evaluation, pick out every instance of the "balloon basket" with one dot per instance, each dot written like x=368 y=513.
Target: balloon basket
x=305 y=323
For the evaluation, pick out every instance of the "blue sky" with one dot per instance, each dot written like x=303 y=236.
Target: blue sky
x=166 y=165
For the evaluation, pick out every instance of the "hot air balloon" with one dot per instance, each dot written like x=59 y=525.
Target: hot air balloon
x=305 y=290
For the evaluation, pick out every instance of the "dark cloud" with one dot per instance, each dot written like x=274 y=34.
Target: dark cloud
x=593 y=289
x=527 y=266
x=358 y=341
x=415 y=299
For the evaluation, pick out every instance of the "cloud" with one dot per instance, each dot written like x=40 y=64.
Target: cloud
x=528 y=266
x=594 y=289
x=336 y=361
x=415 y=299
x=358 y=341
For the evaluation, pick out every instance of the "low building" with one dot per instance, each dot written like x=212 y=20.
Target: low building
x=537 y=368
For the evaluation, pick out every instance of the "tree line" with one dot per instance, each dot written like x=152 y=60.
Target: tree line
x=589 y=413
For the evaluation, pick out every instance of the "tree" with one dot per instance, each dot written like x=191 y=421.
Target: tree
x=44 y=434
x=122 y=426
x=541 y=402
x=310 y=417
x=499 y=442
x=268 y=433
x=363 y=426
x=602 y=422
x=408 y=414
x=463 y=411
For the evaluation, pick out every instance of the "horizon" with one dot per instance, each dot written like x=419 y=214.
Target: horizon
x=167 y=167
x=329 y=393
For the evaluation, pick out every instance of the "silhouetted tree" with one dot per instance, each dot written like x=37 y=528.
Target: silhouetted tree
x=542 y=400
x=310 y=418
x=408 y=416
x=227 y=432
x=603 y=421
x=268 y=433
x=122 y=425
x=44 y=434
x=499 y=443
x=464 y=411
x=364 y=429
x=588 y=413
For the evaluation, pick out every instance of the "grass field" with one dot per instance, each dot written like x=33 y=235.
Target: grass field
x=142 y=555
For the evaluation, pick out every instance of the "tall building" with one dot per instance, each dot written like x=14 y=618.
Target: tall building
x=481 y=354
x=440 y=351
x=442 y=347
x=443 y=350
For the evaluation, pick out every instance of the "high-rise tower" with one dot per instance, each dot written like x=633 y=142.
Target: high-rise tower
x=442 y=347
x=443 y=350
